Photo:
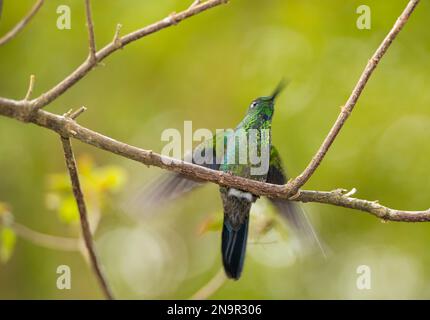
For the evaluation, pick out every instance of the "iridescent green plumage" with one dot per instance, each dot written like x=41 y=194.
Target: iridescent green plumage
x=236 y=203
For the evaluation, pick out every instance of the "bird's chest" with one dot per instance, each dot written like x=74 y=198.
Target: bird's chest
x=247 y=154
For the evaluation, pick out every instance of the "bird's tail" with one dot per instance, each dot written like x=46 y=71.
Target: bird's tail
x=234 y=246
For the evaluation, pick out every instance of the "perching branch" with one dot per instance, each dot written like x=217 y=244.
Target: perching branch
x=68 y=127
x=300 y=180
x=86 y=231
x=340 y=198
x=20 y=25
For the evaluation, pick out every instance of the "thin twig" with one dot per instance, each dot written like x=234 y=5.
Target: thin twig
x=300 y=180
x=86 y=231
x=195 y=3
x=45 y=240
x=91 y=36
x=20 y=25
x=77 y=113
x=30 y=88
x=53 y=93
x=116 y=37
x=211 y=287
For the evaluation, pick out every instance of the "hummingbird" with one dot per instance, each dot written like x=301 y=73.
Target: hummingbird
x=237 y=203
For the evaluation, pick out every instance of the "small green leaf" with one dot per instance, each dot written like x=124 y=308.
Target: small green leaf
x=68 y=210
x=110 y=178
x=98 y=184
x=7 y=243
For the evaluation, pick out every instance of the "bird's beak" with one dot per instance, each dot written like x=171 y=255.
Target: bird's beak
x=281 y=85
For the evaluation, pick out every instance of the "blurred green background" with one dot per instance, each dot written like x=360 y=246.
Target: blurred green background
x=207 y=69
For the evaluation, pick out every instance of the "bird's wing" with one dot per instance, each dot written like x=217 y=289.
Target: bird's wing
x=291 y=211
x=173 y=185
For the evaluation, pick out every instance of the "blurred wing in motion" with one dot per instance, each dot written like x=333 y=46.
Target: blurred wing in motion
x=291 y=211
x=170 y=186
x=165 y=188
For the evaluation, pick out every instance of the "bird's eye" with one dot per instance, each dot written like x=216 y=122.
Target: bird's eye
x=254 y=104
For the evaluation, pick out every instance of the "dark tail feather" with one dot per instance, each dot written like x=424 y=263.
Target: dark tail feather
x=233 y=247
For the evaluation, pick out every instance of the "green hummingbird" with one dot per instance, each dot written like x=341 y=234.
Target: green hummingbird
x=223 y=152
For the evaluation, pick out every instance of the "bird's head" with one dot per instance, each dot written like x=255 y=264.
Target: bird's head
x=263 y=107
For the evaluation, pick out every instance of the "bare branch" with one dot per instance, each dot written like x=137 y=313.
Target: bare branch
x=300 y=180
x=86 y=231
x=338 y=198
x=91 y=37
x=20 y=25
x=53 y=93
